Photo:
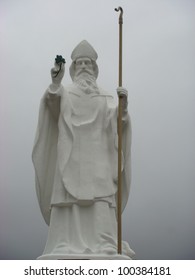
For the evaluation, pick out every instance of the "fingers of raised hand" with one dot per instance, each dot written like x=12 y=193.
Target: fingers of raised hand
x=58 y=69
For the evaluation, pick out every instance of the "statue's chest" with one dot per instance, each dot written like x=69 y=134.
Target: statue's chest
x=86 y=108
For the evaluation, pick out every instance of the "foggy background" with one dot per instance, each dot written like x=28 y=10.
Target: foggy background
x=159 y=73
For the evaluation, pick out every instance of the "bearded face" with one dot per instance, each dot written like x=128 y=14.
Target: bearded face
x=84 y=75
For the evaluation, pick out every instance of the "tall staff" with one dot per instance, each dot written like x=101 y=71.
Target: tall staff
x=119 y=200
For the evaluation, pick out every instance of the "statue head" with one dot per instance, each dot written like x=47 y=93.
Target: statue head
x=84 y=60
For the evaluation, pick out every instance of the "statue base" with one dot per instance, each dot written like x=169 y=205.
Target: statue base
x=83 y=257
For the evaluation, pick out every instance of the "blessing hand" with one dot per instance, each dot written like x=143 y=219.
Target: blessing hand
x=57 y=72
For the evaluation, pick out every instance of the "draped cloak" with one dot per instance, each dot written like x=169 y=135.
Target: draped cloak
x=56 y=152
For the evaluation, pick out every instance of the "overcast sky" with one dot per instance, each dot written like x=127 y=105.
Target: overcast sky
x=159 y=73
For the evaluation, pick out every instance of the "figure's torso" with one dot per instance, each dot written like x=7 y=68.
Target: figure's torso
x=86 y=107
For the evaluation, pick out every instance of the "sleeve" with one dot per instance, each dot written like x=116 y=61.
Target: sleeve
x=44 y=156
x=126 y=147
x=53 y=98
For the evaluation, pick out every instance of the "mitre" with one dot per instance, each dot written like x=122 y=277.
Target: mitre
x=84 y=49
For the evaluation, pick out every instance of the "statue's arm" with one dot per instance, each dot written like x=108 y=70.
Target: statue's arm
x=53 y=98
x=55 y=89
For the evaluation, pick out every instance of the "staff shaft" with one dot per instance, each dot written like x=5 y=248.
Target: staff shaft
x=119 y=197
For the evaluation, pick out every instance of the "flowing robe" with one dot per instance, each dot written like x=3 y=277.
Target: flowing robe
x=75 y=160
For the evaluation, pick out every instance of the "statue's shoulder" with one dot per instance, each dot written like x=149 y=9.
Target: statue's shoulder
x=69 y=87
x=72 y=89
x=105 y=93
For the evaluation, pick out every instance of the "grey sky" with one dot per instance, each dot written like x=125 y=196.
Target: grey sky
x=159 y=72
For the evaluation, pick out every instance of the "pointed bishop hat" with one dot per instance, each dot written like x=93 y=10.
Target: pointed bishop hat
x=84 y=49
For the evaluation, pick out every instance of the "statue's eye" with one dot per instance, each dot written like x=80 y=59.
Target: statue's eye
x=88 y=62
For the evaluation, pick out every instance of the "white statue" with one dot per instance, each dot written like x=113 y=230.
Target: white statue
x=75 y=160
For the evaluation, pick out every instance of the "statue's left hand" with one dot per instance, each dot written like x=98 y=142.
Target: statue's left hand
x=122 y=92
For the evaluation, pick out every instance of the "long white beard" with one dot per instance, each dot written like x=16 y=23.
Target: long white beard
x=86 y=83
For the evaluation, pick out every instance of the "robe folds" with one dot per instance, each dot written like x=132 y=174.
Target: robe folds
x=75 y=160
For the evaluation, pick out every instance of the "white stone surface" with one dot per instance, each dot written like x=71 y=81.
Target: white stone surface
x=84 y=257
x=75 y=158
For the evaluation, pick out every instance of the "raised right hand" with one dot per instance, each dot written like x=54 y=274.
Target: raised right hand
x=57 y=78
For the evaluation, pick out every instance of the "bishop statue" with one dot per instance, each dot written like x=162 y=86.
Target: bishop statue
x=75 y=161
